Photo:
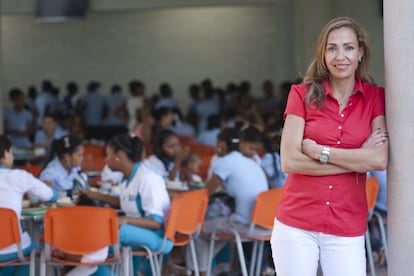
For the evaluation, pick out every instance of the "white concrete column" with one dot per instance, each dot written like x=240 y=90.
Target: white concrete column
x=399 y=84
x=2 y=97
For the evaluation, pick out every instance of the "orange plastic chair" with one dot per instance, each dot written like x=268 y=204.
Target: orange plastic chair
x=184 y=223
x=263 y=215
x=93 y=149
x=9 y=235
x=371 y=191
x=202 y=149
x=81 y=230
x=96 y=163
x=191 y=220
x=186 y=140
x=33 y=169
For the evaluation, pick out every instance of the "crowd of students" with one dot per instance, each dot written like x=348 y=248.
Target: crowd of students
x=38 y=116
x=244 y=131
x=143 y=190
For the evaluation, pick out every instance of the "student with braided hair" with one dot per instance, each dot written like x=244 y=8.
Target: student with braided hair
x=143 y=197
x=62 y=170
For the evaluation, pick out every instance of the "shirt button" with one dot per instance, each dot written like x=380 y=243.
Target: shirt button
x=338 y=142
x=327 y=203
x=339 y=127
x=330 y=186
x=342 y=115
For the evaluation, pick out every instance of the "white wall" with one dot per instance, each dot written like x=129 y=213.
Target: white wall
x=181 y=46
x=121 y=40
x=310 y=16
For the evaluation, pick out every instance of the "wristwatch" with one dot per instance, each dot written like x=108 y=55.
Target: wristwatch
x=324 y=155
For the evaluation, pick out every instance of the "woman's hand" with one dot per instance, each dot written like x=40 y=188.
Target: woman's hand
x=311 y=148
x=376 y=139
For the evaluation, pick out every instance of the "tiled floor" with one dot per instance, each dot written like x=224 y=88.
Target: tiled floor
x=381 y=271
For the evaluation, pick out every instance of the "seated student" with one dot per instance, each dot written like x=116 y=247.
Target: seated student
x=143 y=197
x=13 y=185
x=144 y=127
x=251 y=141
x=271 y=159
x=168 y=155
x=62 y=171
x=209 y=136
x=241 y=178
x=163 y=119
x=190 y=169
x=180 y=126
x=50 y=131
x=18 y=121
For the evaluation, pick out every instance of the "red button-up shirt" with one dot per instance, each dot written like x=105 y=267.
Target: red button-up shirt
x=333 y=204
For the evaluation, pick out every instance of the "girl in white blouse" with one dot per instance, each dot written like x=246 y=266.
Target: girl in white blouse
x=14 y=183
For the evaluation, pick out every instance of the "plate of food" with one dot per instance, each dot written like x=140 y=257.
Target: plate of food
x=64 y=202
x=34 y=211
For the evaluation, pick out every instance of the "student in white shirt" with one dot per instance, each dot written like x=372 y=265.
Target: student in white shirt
x=241 y=178
x=143 y=197
x=168 y=155
x=14 y=183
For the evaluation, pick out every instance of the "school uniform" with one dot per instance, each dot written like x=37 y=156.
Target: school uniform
x=144 y=195
x=277 y=177
x=13 y=185
x=56 y=174
x=41 y=137
x=18 y=120
x=243 y=179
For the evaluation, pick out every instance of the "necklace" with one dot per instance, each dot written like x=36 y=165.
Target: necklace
x=341 y=101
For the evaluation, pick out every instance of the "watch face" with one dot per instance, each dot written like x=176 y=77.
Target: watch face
x=323 y=158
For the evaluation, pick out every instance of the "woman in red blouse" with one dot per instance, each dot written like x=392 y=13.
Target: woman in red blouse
x=334 y=133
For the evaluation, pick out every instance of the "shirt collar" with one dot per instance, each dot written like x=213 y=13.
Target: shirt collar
x=133 y=173
x=358 y=87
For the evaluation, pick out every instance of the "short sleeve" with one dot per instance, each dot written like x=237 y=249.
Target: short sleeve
x=154 y=196
x=48 y=175
x=36 y=187
x=221 y=168
x=379 y=103
x=296 y=101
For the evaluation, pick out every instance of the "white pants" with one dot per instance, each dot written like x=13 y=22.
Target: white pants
x=296 y=252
